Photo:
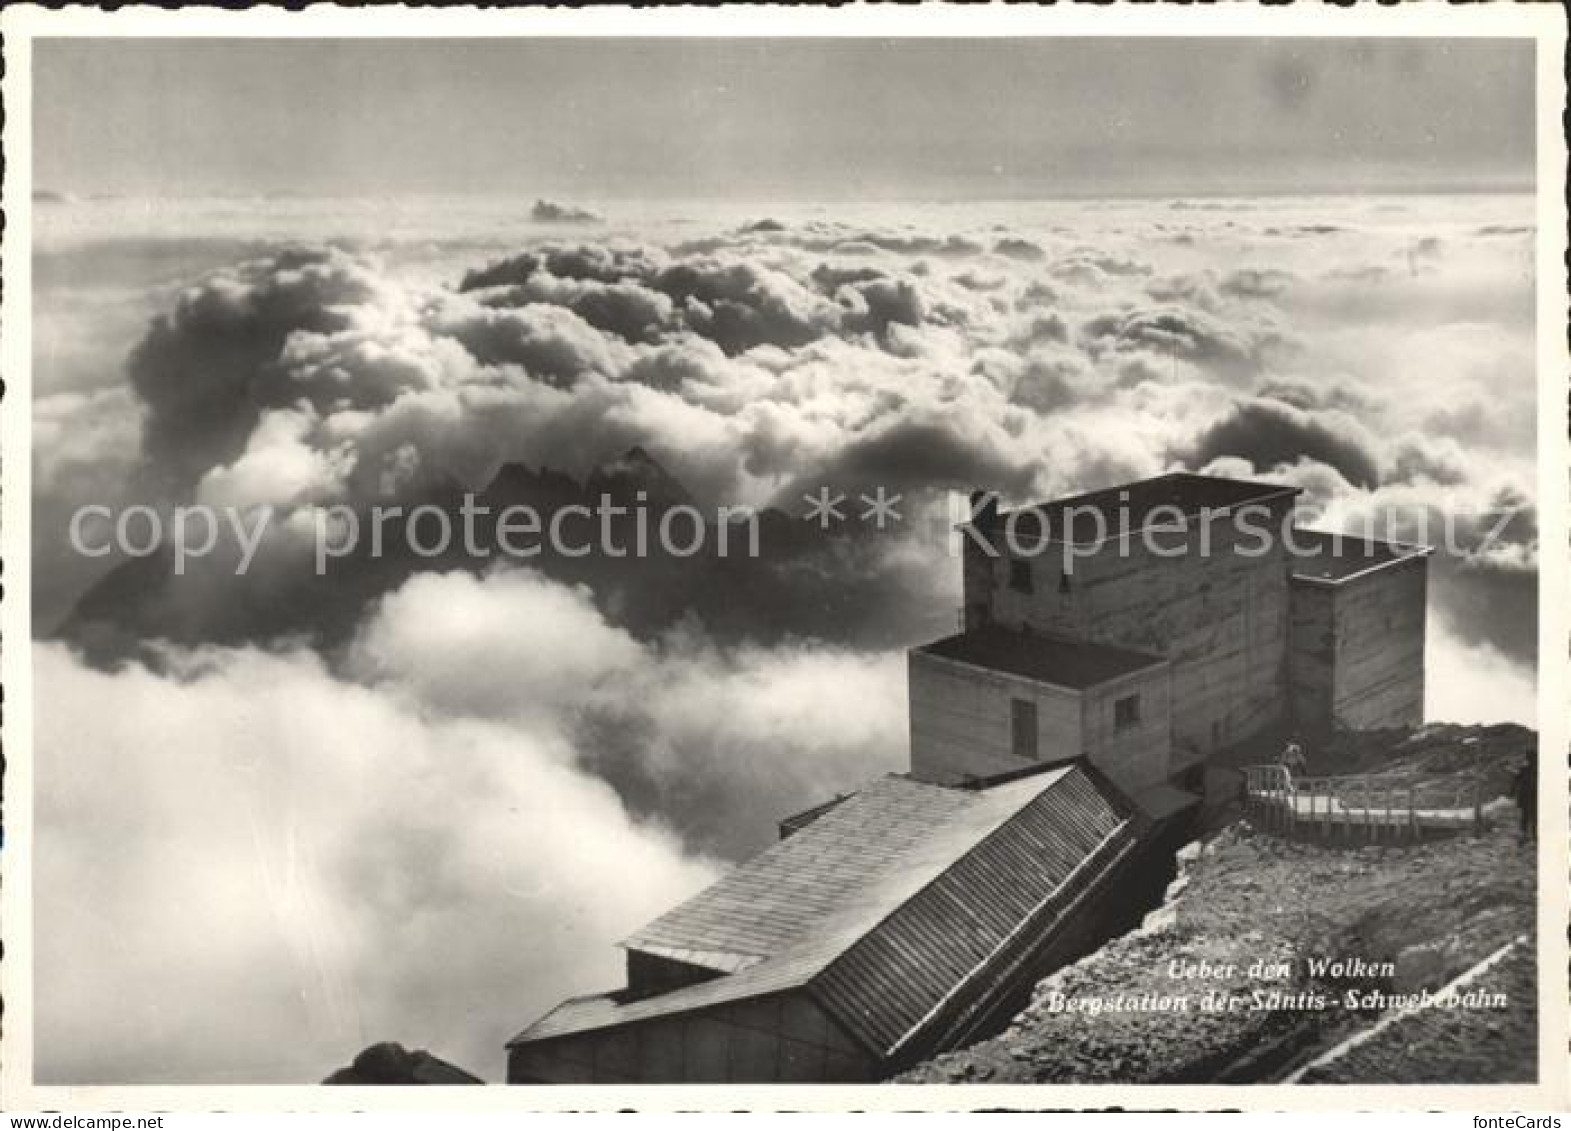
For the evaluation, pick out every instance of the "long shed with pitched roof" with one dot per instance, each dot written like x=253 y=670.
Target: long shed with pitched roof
x=862 y=941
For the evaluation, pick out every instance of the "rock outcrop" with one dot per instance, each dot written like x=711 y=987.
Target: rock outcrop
x=389 y=1063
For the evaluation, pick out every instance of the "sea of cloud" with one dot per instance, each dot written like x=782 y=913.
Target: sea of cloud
x=256 y=856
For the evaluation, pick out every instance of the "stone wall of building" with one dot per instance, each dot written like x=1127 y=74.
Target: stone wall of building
x=1212 y=599
x=1358 y=649
x=786 y=1038
x=1312 y=667
x=1380 y=629
x=1134 y=754
x=962 y=720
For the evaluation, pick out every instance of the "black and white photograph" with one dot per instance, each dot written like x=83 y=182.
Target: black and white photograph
x=799 y=553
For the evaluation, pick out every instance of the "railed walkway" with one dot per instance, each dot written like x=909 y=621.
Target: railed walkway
x=1367 y=807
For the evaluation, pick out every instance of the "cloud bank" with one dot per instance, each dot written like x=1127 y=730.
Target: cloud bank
x=440 y=790
x=419 y=848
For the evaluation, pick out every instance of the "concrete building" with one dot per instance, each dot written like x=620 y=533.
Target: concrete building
x=994 y=699
x=1359 y=608
x=1111 y=643
x=1212 y=576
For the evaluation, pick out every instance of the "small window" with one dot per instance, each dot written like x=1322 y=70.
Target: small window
x=1126 y=712
x=1019 y=575
x=1022 y=729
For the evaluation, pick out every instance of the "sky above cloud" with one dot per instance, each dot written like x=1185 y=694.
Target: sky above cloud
x=782 y=119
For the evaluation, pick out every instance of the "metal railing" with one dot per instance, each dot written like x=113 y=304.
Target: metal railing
x=1370 y=807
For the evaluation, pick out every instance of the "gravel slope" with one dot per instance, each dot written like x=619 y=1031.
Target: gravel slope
x=1432 y=910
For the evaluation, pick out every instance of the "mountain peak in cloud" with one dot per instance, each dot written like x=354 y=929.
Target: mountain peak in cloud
x=634 y=471
x=555 y=212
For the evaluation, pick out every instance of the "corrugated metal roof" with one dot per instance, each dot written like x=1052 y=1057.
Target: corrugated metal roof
x=885 y=984
x=720 y=960
x=1064 y=663
x=796 y=822
x=762 y=906
x=907 y=932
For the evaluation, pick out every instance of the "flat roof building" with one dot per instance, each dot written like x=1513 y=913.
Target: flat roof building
x=1112 y=642
x=1214 y=576
x=994 y=699
x=1359 y=611
x=1112 y=512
